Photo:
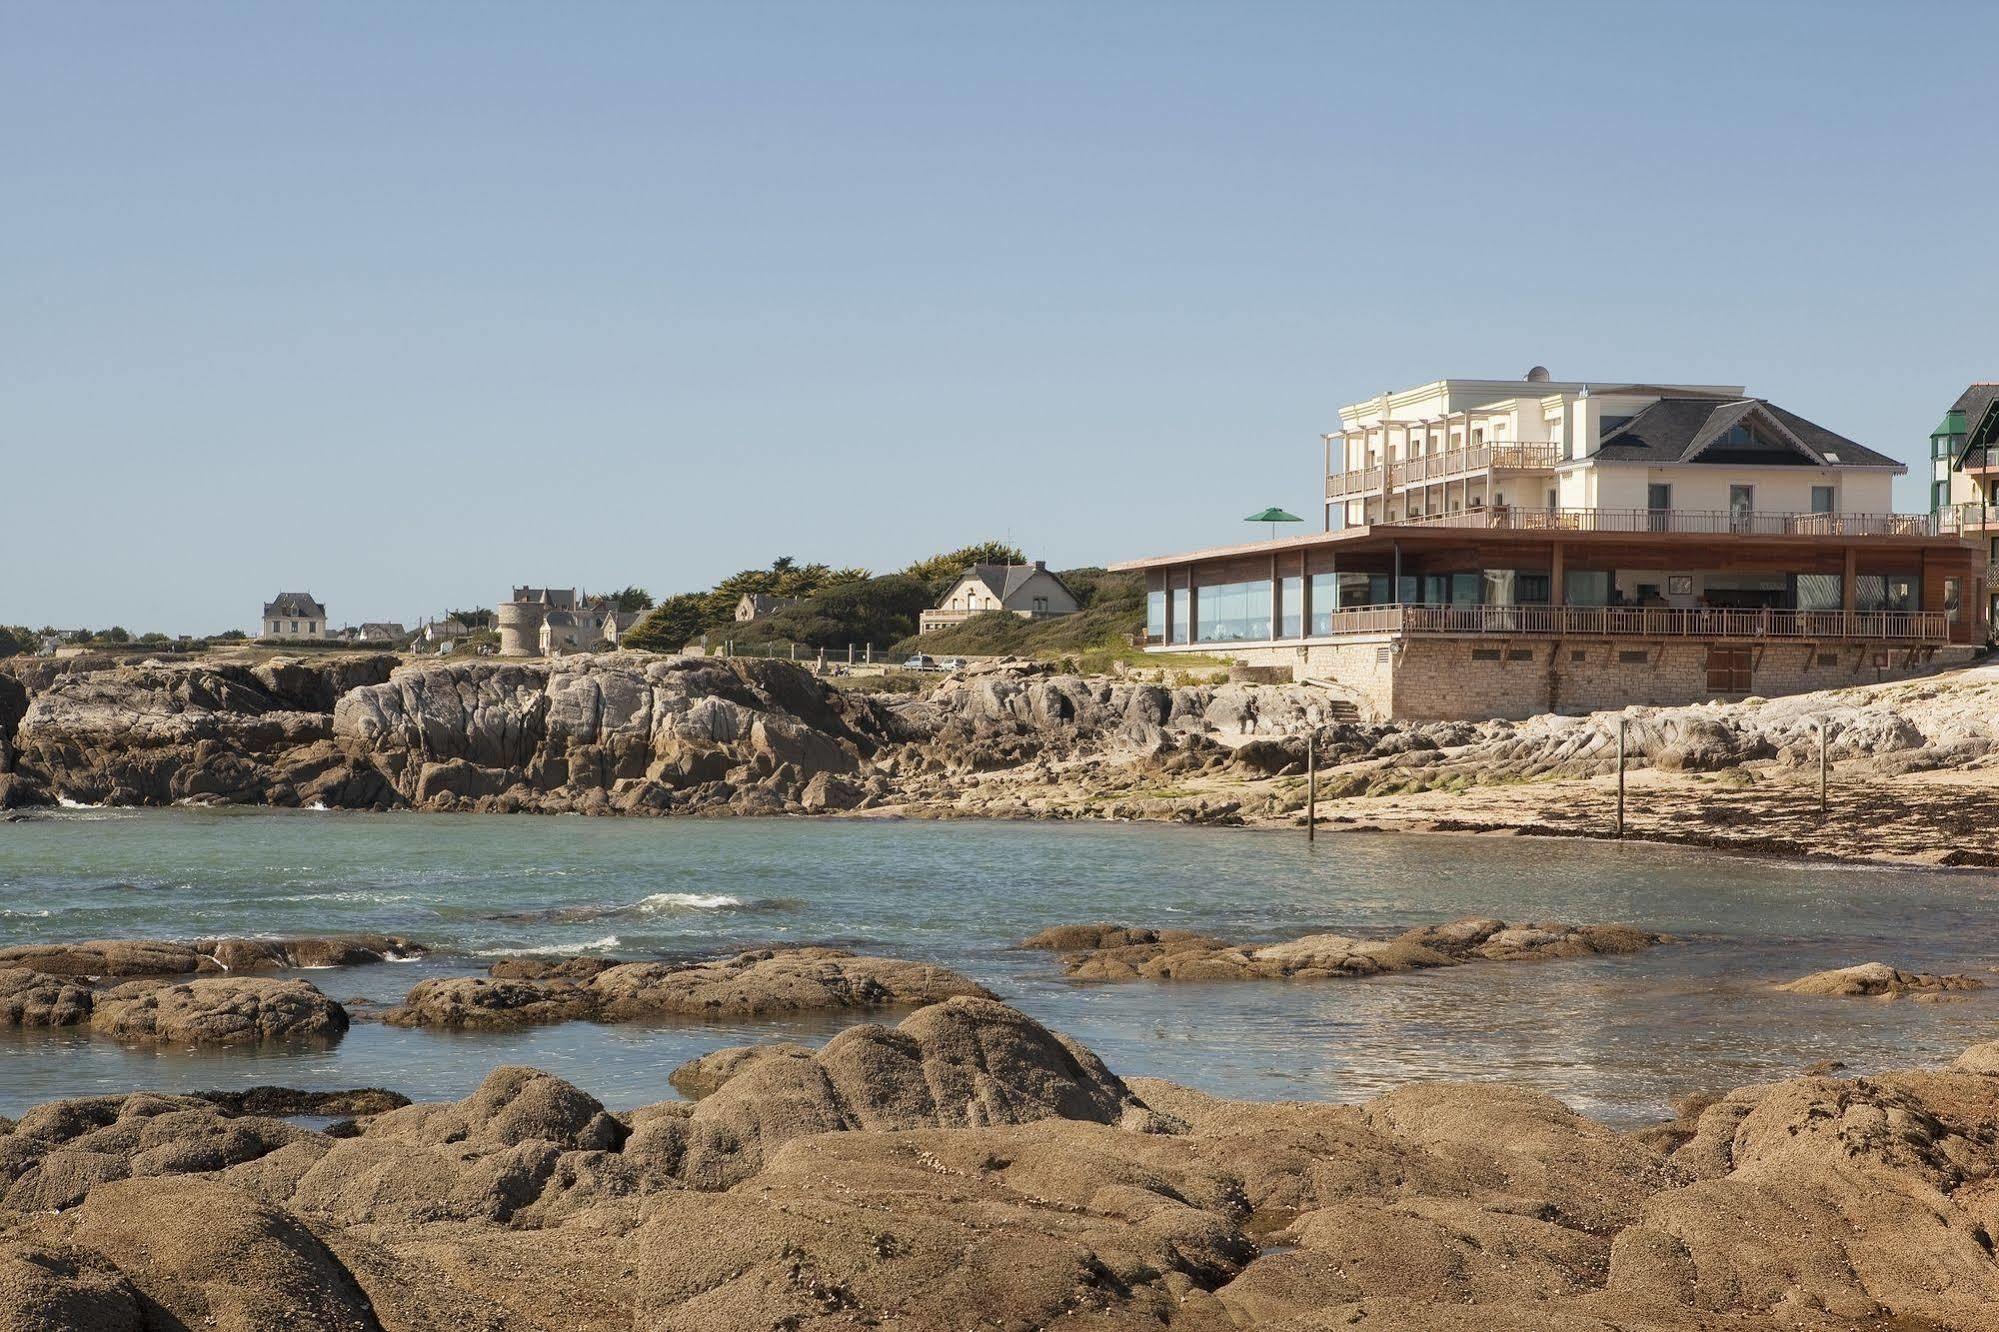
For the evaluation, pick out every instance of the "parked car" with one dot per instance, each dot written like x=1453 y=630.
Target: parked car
x=951 y=664
x=920 y=662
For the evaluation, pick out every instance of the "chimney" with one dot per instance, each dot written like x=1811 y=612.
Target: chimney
x=1041 y=566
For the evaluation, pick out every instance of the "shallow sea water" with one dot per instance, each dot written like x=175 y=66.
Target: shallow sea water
x=1614 y=1037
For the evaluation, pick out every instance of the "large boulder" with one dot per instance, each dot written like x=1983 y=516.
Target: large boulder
x=36 y=999
x=61 y=1150
x=477 y=1003
x=61 y=1288
x=105 y=957
x=1878 y=980
x=212 y=1256
x=772 y=982
x=966 y=1062
x=217 y=1012
x=310 y=952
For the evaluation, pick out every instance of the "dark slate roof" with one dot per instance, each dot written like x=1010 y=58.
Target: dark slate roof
x=1007 y=579
x=295 y=603
x=1674 y=430
x=1975 y=402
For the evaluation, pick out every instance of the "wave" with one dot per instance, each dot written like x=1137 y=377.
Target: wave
x=64 y=802
x=662 y=902
x=609 y=941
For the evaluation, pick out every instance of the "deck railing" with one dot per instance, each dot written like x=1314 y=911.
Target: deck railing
x=1450 y=464
x=1636 y=622
x=1713 y=522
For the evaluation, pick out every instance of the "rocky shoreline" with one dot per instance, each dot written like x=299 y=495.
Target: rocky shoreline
x=632 y=733
x=968 y=1168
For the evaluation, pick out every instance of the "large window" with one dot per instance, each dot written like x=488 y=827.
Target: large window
x=1155 y=615
x=1325 y=600
x=1886 y=592
x=1586 y=587
x=1821 y=499
x=1183 y=608
x=1816 y=592
x=1233 y=612
x=1291 y=607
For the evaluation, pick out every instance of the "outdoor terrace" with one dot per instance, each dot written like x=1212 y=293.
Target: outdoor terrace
x=1450 y=465
x=1715 y=522
x=1636 y=622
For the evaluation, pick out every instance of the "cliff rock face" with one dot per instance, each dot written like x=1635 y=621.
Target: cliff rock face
x=600 y=733
x=636 y=733
x=613 y=733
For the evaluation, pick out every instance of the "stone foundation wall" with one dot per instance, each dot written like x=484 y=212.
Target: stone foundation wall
x=1443 y=679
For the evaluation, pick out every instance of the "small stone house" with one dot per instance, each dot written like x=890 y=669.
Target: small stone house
x=1027 y=590
x=618 y=623
x=294 y=615
x=579 y=629
x=381 y=631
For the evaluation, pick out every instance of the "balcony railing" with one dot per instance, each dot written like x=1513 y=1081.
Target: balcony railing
x=1968 y=518
x=1709 y=522
x=1638 y=622
x=1448 y=465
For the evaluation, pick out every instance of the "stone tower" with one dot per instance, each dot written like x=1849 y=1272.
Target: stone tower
x=520 y=619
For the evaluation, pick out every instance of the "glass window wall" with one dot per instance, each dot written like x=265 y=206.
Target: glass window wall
x=1233 y=612
x=1155 y=615
x=1183 y=607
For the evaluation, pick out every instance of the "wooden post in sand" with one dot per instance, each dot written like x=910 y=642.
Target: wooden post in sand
x=1620 y=776
x=1311 y=786
x=1821 y=725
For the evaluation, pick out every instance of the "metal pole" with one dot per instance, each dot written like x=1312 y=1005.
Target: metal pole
x=1620 y=776
x=1312 y=786
x=1822 y=765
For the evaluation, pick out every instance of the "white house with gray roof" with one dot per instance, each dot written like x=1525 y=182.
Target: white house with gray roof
x=1027 y=590
x=294 y=615
x=1536 y=444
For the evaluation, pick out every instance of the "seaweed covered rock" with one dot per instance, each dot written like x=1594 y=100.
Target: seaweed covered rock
x=217 y=1012
x=1113 y=952
x=1878 y=980
x=477 y=1003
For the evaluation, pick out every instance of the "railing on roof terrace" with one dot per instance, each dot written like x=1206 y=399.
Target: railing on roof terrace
x=1507 y=517
x=1446 y=465
x=1637 y=622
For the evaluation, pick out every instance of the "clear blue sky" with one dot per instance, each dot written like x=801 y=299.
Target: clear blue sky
x=403 y=302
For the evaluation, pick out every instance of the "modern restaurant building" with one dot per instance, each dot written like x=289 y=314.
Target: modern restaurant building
x=1502 y=548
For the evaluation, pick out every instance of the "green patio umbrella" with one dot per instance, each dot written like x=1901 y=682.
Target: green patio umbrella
x=1273 y=517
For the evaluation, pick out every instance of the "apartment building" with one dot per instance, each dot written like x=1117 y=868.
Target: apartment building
x=1500 y=548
